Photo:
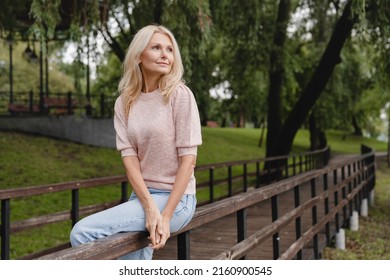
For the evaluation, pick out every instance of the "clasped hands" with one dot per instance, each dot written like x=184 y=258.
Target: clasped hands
x=158 y=226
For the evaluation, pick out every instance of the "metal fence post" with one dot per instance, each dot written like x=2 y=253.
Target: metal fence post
x=298 y=229
x=326 y=206
x=314 y=219
x=211 y=184
x=183 y=246
x=124 y=194
x=275 y=237
x=5 y=228
x=75 y=206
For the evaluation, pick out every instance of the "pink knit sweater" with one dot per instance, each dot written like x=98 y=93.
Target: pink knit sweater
x=158 y=133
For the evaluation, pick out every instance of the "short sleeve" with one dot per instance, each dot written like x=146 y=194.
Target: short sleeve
x=187 y=121
x=120 y=124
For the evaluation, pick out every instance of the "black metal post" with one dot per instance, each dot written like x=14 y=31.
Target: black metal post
x=298 y=230
x=300 y=163
x=314 y=219
x=124 y=193
x=355 y=200
x=31 y=101
x=69 y=103
x=5 y=229
x=230 y=181
x=75 y=206
x=46 y=68
x=241 y=226
x=294 y=166
x=350 y=189
x=326 y=206
x=344 y=195
x=275 y=237
x=11 y=78
x=211 y=184
x=41 y=97
x=245 y=177
x=336 y=199
x=359 y=169
x=183 y=246
x=88 y=107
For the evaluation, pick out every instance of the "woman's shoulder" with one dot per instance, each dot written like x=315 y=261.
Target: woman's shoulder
x=182 y=97
x=182 y=89
x=119 y=102
x=119 y=98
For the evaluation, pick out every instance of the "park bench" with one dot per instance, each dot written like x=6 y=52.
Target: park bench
x=60 y=105
x=22 y=108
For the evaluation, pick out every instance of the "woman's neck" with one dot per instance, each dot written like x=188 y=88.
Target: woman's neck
x=150 y=84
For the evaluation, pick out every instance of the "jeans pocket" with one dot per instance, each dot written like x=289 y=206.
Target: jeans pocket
x=184 y=212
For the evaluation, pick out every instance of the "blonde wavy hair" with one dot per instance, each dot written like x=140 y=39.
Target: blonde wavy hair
x=131 y=82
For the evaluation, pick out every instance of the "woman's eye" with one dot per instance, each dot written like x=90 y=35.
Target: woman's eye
x=155 y=47
x=170 y=50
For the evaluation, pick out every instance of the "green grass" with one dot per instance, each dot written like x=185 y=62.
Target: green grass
x=30 y=160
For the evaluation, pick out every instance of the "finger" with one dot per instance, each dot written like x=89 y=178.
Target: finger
x=152 y=236
x=158 y=237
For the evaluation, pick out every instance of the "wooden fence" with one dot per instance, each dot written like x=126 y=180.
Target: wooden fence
x=227 y=178
x=338 y=190
x=56 y=103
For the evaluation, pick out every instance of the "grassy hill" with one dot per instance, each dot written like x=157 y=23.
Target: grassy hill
x=28 y=160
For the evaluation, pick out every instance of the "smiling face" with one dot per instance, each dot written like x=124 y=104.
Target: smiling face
x=157 y=58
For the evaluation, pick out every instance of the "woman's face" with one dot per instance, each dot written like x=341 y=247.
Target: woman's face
x=157 y=58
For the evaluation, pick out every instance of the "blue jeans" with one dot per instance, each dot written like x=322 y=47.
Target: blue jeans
x=130 y=216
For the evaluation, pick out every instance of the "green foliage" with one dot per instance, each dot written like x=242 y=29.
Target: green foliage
x=244 y=33
x=109 y=76
x=229 y=41
x=8 y=10
x=46 y=17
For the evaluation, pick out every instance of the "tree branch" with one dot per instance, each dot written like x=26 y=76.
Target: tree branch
x=317 y=83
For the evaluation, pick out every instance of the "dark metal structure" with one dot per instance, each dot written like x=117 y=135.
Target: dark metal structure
x=15 y=25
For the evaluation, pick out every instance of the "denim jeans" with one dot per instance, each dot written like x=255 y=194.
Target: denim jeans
x=130 y=216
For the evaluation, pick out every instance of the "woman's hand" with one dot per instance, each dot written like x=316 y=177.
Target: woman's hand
x=164 y=234
x=154 y=224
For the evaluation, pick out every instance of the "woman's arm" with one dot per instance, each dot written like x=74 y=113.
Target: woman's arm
x=153 y=218
x=186 y=167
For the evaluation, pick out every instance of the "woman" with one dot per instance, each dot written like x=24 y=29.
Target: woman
x=157 y=132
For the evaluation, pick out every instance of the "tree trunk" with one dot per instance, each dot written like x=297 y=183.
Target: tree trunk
x=357 y=130
x=276 y=76
x=158 y=10
x=262 y=129
x=316 y=85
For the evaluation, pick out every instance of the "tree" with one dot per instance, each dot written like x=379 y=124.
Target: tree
x=243 y=30
x=276 y=77
x=281 y=142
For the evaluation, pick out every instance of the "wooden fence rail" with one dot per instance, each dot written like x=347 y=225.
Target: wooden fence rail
x=352 y=182
x=217 y=175
x=56 y=103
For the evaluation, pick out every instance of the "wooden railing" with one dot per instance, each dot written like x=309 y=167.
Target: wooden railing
x=228 y=178
x=56 y=103
x=352 y=182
